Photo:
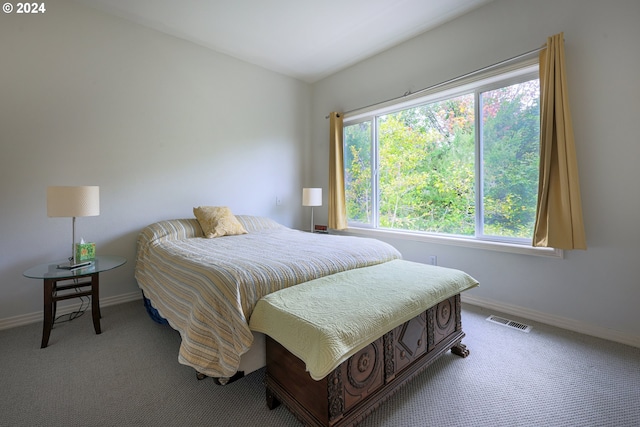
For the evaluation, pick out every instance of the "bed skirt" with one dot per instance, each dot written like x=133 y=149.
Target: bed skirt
x=152 y=312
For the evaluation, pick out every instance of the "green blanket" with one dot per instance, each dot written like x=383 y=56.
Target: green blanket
x=325 y=321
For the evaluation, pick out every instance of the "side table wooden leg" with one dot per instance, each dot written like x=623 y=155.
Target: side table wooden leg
x=95 y=302
x=47 y=324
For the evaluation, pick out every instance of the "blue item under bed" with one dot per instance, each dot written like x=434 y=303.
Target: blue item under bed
x=153 y=313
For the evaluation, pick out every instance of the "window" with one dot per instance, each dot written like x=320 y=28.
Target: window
x=460 y=162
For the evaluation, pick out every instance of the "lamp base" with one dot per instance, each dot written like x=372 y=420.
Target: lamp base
x=71 y=266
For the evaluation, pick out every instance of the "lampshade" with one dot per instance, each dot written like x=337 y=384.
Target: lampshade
x=73 y=201
x=312 y=197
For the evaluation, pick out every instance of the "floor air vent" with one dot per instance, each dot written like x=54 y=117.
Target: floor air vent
x=509 y=323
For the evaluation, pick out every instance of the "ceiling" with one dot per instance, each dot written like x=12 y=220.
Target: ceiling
x=305 y=39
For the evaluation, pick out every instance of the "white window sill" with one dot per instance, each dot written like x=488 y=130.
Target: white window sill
x=454 y=241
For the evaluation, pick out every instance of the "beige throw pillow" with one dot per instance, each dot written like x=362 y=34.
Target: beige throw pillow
x=217 y=221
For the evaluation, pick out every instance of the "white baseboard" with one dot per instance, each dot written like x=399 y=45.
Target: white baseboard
x=538 y=316
x=548 y=319
x=26 y=319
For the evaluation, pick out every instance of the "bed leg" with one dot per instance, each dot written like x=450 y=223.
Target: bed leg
x=460 y=350
x=272 y=401
x=228 y=380
x=200 y=376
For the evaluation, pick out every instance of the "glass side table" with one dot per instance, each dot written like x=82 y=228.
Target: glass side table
x=83 y=281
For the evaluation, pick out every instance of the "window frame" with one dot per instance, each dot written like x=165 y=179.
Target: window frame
x=476 y=85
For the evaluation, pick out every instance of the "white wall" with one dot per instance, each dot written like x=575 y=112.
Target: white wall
x=597 y=290
x=160 y=124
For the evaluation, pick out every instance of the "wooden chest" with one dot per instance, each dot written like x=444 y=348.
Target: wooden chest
x=369 y=377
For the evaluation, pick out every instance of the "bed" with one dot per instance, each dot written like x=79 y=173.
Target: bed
x=207 y=288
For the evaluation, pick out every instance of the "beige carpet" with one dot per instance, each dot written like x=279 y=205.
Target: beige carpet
x=129 y=376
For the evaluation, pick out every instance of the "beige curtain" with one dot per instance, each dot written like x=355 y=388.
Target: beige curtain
x=559 y=222
x=337 y=203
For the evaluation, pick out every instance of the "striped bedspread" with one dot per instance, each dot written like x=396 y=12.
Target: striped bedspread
x=207 y=288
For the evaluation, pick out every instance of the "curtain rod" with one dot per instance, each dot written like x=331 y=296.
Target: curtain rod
x=480 y=70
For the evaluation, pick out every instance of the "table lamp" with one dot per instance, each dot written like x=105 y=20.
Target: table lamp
x=312 y=197
x=73 y=202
